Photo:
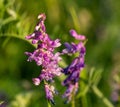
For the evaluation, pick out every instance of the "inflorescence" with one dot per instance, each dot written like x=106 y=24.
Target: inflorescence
x=45 y=56
x=74 y=69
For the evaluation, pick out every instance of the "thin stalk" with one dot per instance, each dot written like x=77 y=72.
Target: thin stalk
x=73 y=98
x=84 y=101
x=8 y=20
x=101 y=96
x=5 y=42
x=75 y=18
x=73 y=101
x=48 y=103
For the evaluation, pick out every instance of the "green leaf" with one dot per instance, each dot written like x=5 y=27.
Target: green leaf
x=7 y=37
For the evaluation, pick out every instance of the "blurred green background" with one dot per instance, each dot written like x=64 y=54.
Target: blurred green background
x=99 y=20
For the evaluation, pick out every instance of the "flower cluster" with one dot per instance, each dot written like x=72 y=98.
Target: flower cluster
x=74 y=69
x=44 y=56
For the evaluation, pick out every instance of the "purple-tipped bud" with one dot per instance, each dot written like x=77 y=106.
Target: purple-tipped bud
x=76 y=36
x=56 y=43
x=30 y=36
x=42 y=16
x=70 y=48
x=34 y=41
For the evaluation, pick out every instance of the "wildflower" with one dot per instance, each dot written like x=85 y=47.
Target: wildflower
x=44 y=56
x=74 y=69
x=77 y=36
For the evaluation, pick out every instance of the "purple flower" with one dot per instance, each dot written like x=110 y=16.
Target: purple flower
x=74 y=69
x=77 y=36
x=44 y=56
x=70 y=48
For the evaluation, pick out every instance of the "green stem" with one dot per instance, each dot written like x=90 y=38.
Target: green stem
x=73 y=99
x=101 y=96
x=5 y=42
x=48 y=103
x=84 y=101
x=73 y=102
x=8 y=20
x=75 y=18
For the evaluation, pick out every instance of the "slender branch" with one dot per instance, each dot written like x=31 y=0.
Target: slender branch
x=75 y=18
x=73 y=101
x=5 y=42
x=48 y=103
x=101 y=96
x=73 y=98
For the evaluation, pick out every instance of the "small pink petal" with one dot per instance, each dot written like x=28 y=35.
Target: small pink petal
x=77 y=36
x=36 y=81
